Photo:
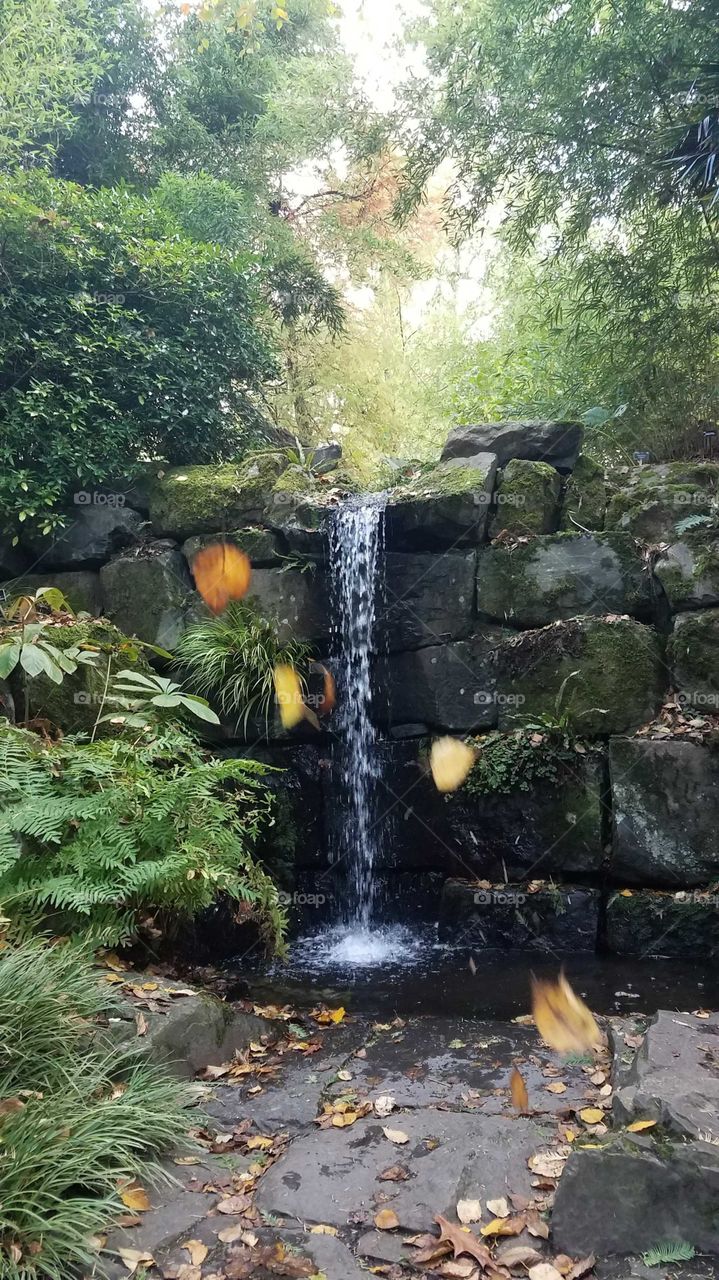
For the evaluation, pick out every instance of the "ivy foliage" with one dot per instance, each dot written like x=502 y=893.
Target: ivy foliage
x=99 y=836
x=508 y=762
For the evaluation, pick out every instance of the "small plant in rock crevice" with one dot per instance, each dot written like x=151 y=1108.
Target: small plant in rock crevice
x=669 y=1251
x=509 y=762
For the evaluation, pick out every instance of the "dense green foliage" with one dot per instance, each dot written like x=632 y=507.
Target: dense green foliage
x=508 y=762
x=97 y=837
x=89 y=1120
x=230 y=659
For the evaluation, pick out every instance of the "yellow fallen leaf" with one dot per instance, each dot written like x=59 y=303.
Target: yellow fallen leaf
x=341 y=1120
x=258 y=1142
x=503 y=1227
x=197 y=1251
x=563 y=1020
x=556 y=1087
x=386 y=1220
x=113 y=962
x=639 y=1125
x=518 y=1090
x=322 y=1229
x=135 y=1197
x=113 y=977
x=450 y=762
x=134 y=1258
x=591 y=1115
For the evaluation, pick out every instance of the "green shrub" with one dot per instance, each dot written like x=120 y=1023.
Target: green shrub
x=514 y=761
x=96 y=835
x=230 y=659
x=76 y=1119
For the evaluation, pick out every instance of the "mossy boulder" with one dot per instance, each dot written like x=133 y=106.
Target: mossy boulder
x=74 y=705
x=688 y=570
x=666 y=812
x=445 y=505
x=527 y=498
x=262 y=546
x=595 y=675
x=80 y=587
x=653 y=501
x=693 y=651
x=208 y=499
x=585 y=496
x=560 y=576
x=148 y=592
x=679 y=925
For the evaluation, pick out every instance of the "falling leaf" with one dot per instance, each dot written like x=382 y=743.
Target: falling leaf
x=222 y=572
x=134 y=1258
x=386 y=1220
x=591 y=1115
x=518 y=1089
x=383 y=1105
x=639 y=1125
x=396 y=1135
x=450 y=762
x=462 y=1241
x=395 y=1173
x=469 y=1211
x=136 y=1198
x=197 y=1251
x=329 y=692
x=563 y=1020
x=322 y=1229
x=288 y=691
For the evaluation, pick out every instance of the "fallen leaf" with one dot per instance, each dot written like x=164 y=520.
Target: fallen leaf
x=499 y=1208
x=395 y=1173
x=536 y=1226
x=544 y=1271
x=135 y=1197
x=450 y=761
x=503 y=1227
x=461 y=1268
x=591 y=1115
x=327 y=1016
x=134 y=1258
x=386 y=1220
x=188 y=1272
x=396 y=1135
x=518 y=1255
x=469 y=1211
x=557 y=1086
x=234 y=1204
x=383 y=1105
x=639 y=1125
x=342 y=1120
x=518 y=1090
x=462 y=1241
x=548 y=1164
x=197 y=1251
x=259 y=1142
x=187 y=1160
x=141 y=1023
x=322 y=1229
x=563 y=1020
x=581 y=1268
x=230 y=1234
x=344 y=1075
x=9 y=1106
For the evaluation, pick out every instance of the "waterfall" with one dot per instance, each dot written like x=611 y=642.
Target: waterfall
x=356 y=556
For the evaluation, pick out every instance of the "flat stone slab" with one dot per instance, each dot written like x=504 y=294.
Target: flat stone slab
x=330 y=1176
x=675 y=1076
x=292 y=1102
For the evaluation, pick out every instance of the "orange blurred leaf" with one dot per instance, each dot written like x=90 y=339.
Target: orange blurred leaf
x=222 y=573
x=563 y=1020
x=518 y=1089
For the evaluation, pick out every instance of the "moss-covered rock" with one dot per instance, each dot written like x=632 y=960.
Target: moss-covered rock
x=560 y=576
x=148 y=592
x=443 y=506
x=653 y=501
x=74 y=705
x=527 y=497
x=688 y=570
x=693 y=651
x=585 y=496
x=262 y=546
x=207 y=499
x=80 y=587
x=596 y=676
x=645 y=923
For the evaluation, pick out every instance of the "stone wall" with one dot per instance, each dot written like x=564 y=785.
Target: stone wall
x=522 y=587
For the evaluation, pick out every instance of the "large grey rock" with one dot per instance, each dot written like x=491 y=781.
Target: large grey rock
x=674 y=1078
x=92 y=534
x=688 y=571
x=330 y=1176
x=325 y=457
x=693 y=650
x=448 y=688
x=445 y=507
x=508 y=917
x=600 y=675
x=682 y=925
x=296 y=601
x=538 y=440
x=148 y=593
x=561 y=576
x=428 y=599
x=666 y=812
x=622 y=1201
x=652 y=501
x=527 y=499
x=261 y=545
x=80 y=587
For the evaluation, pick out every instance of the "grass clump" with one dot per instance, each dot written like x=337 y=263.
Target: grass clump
x=230 y=659
x=78 y=1120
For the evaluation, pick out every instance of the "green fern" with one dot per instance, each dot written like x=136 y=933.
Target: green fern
x=99 y=834
x=669 y=1251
